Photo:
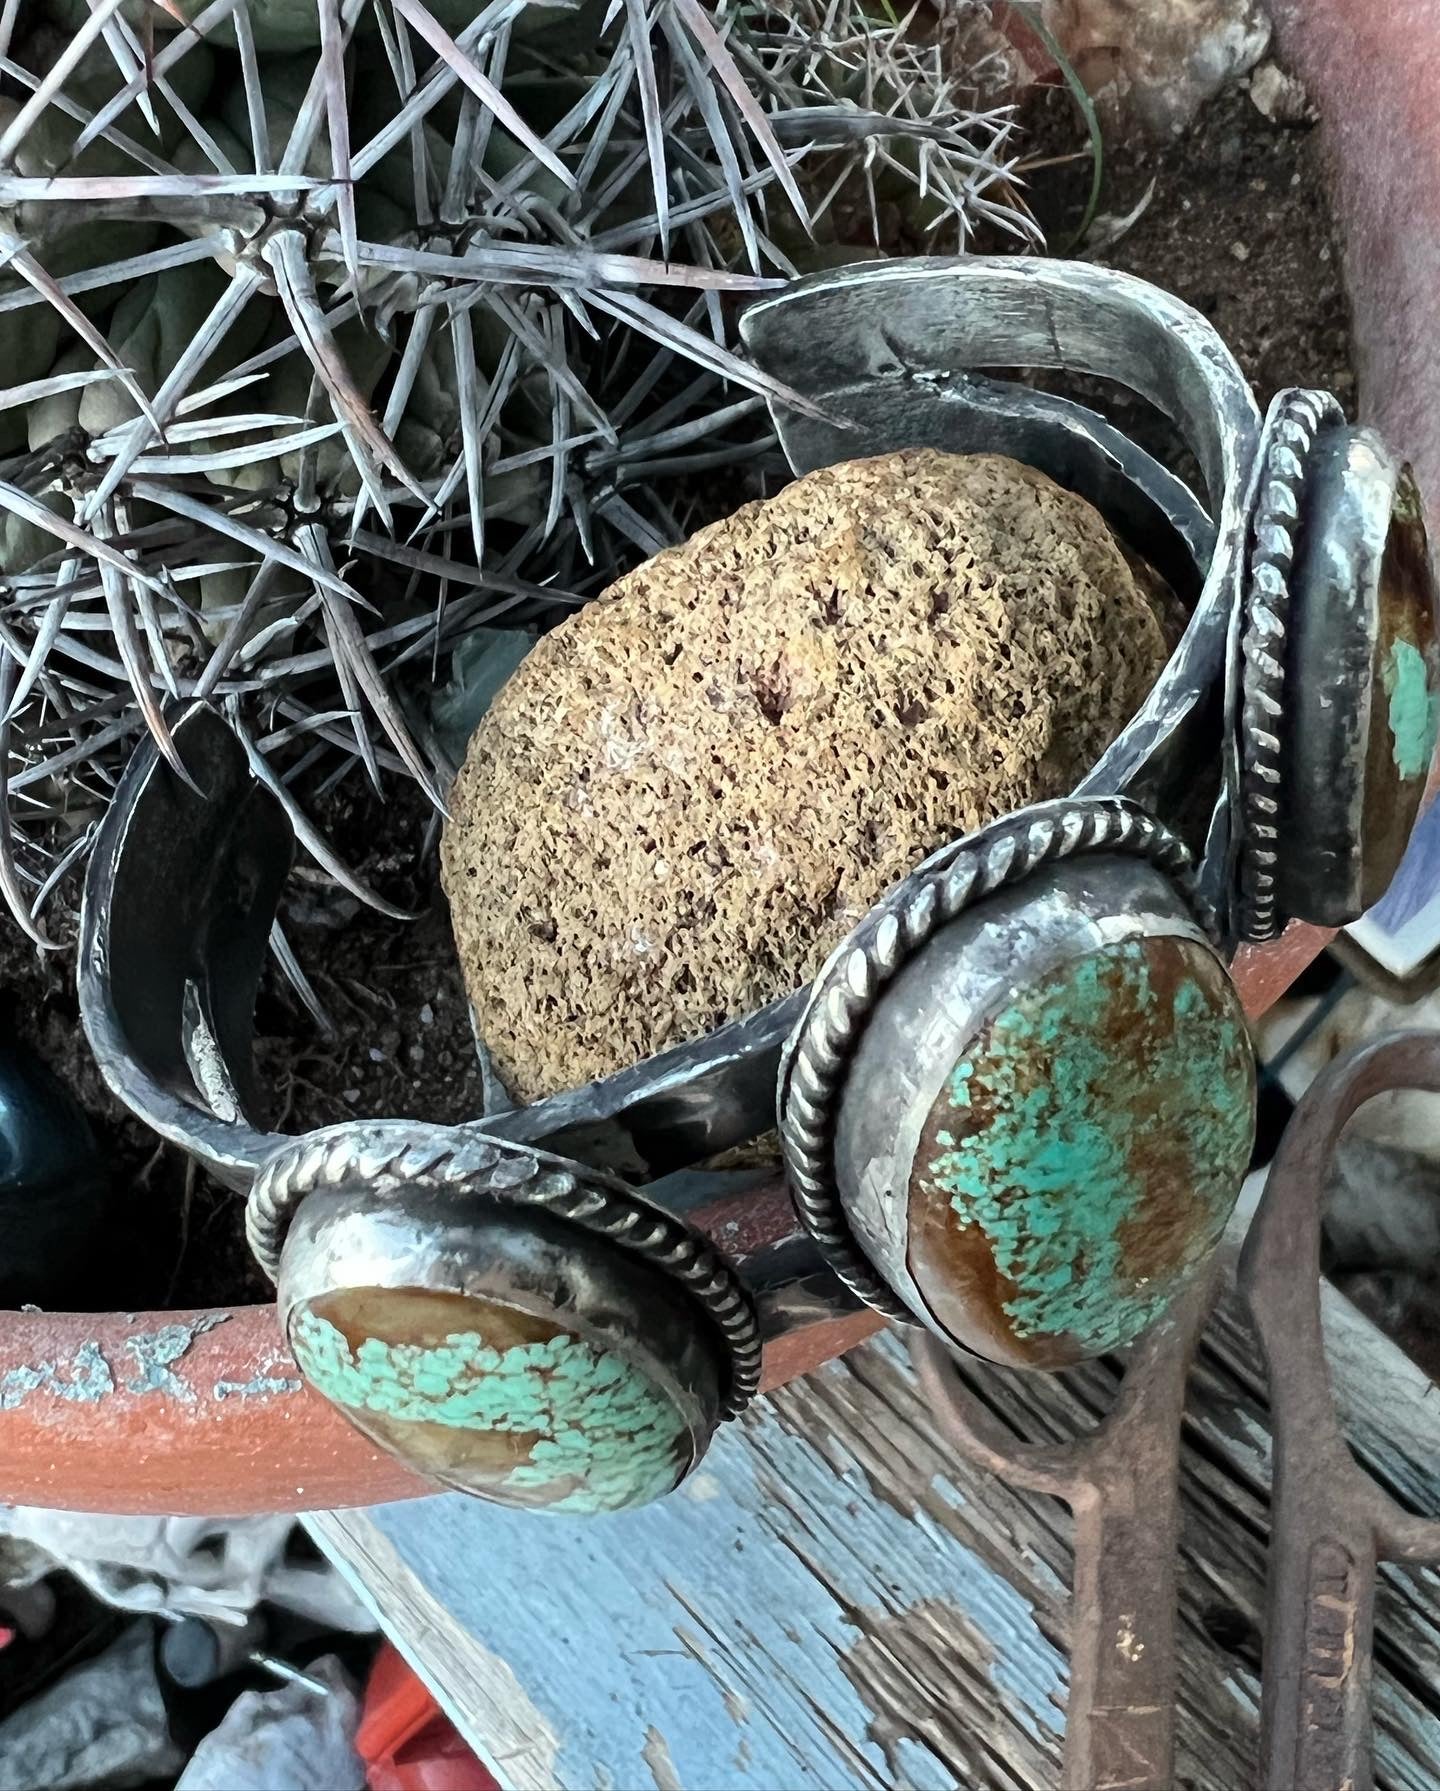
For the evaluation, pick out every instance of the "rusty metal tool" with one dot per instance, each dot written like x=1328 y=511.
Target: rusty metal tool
x=1331 y=1524
x=1122 y=1482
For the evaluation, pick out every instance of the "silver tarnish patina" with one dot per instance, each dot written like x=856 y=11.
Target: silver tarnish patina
x=1345 y=763
x=470 y=1166
x=1048 y=1115
x=818 y=1057
x=1291 y=426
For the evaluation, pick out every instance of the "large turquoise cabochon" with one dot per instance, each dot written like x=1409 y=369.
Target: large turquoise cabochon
x=1084 y=1153
x=493 y=1400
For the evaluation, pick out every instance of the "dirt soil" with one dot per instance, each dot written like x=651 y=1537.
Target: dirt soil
x=1237 y=224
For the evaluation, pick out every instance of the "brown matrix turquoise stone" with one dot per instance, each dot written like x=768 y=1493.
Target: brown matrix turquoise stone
x=494 y=1400
x=1084 y=1154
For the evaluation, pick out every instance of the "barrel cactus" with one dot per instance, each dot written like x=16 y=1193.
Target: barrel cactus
x=335 y=329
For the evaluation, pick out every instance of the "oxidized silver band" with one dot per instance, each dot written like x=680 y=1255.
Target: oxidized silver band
x=1296 y=418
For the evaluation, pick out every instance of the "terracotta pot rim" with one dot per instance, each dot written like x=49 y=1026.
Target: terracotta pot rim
x=204 y=1412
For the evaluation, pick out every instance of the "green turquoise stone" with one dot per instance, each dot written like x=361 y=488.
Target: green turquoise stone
x=1084 y=1155
x=493 y=1400
x=1405 y=698
x=1411 y=709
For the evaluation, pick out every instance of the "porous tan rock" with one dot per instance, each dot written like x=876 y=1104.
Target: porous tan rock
x=692 y=788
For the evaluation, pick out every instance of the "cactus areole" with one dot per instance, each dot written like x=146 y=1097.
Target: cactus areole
x=1014 y=1086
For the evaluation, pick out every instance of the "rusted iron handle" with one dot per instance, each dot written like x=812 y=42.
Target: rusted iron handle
x=1038 y=1467
x=1315 y=1730
x=1120 y=1714
x=1329 y=1522
x=1149 y=1402
x=1120 y=1722
x=1122 y=1483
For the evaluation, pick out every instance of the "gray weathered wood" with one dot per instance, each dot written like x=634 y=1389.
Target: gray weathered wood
x=837 y=1600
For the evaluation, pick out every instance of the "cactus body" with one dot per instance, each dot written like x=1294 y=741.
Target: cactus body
x=397 y=316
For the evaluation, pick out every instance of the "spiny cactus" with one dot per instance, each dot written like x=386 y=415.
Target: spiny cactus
x=340 y=328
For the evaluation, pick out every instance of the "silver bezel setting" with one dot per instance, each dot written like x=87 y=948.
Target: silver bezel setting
x=817 y=1057
x=1295 y=419
x=389 y=1156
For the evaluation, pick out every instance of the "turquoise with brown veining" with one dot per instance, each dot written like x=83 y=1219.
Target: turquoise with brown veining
x=493 y=1400
x=1083 y=1156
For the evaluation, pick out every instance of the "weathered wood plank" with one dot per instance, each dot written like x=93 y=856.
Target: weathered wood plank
x=775 y=1624
x=837 y=1600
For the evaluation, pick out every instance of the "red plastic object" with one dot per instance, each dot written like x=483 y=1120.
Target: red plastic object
x=406 y=1740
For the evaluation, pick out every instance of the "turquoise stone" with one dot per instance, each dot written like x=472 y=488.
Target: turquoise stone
x=1412 y=707
x=493 y=1400
x=1084 y=1154
x=1405 y=697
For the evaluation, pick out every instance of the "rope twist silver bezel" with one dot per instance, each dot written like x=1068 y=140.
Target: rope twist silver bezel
x=388 y=1155
x=1294 y=422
